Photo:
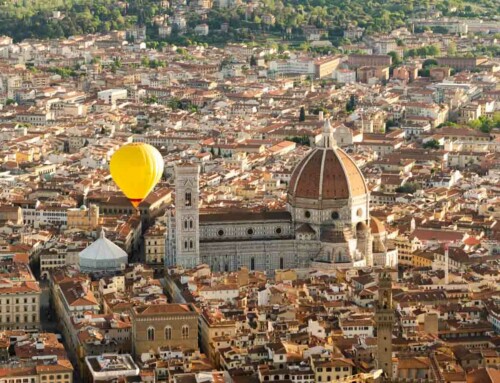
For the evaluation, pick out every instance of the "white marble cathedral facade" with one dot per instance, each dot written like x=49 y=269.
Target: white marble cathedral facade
x=327 y=220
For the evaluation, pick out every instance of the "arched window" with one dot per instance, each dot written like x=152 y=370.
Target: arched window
x=185 y=331
x=252 y=263
x=187 y=198
x=185 y=244
x=151 y=333
x=190 y=223
x=185 y=224
x=168 y=333
x=282 y=263
x=190 y=244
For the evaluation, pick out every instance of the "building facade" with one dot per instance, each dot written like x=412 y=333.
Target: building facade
x=19 y=297
x=327 y=220
x=164 y=325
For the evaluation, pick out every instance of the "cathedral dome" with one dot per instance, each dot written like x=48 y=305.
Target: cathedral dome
x=326 y=173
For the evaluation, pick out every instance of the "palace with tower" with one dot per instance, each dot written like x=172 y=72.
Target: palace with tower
x=327 y=220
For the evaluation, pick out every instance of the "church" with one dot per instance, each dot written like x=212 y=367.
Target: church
x=327 y=221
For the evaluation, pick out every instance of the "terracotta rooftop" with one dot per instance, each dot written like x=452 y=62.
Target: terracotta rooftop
x=169 y=308
x=327 y=173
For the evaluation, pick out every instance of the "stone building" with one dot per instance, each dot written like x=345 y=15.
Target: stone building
x=384 y=318
x=154 y=245
x=83 y=218
x=165 y=325
x=326 y=220
x=19 y=295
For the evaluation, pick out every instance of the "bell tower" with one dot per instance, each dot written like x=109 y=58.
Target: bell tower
x=384 y=318
x=187 y=232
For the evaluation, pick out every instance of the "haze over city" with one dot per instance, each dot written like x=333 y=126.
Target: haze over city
x=249 y=191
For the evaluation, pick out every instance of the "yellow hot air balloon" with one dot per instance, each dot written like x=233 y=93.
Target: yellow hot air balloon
x=136 y=168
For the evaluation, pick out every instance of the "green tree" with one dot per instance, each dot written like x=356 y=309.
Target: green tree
x=452 y=49
x=396 y=59
x=302 y=115
x=431 y=144
x=486 y=124
x=409 y=187
x=301 y=140
x=351 y=104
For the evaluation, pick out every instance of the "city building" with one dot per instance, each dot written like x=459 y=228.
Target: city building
x=164 y=325
x=327 y=220
x=103 y=256
x=19 y=295
x=111 y=367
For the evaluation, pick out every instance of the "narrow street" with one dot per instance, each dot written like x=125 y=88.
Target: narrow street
x=48 y=318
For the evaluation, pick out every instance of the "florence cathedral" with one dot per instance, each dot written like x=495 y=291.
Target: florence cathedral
x=326 y=222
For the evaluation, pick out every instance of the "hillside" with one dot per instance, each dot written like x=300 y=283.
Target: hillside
x=33 y=18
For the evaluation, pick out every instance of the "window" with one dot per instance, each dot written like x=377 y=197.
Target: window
x=187 y=198
x=220 y=233
x=307 y=214
x=335 y=215
x=250 y=231
x=190 y=244
x=168 y=333
x=278 y=230
x=282 y=263
x=185 y=332
x=185 y=224
x=252 y=263
x=185 y=244
x=151 y=334
x=190 y=223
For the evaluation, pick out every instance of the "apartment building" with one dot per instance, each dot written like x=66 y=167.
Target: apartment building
x=19 y=295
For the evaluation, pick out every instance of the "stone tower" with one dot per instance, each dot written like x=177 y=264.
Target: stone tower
x=384 y=318
x=187 y=232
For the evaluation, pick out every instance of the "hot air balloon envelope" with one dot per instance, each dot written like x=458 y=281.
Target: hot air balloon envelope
x=136 y=168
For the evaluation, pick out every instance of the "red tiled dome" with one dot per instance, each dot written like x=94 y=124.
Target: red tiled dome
x=326 y=174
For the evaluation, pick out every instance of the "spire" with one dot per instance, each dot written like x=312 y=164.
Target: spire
x=101 y=233
x=327 y=141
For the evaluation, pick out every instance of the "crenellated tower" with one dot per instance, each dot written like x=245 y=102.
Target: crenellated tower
x=384 y=318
